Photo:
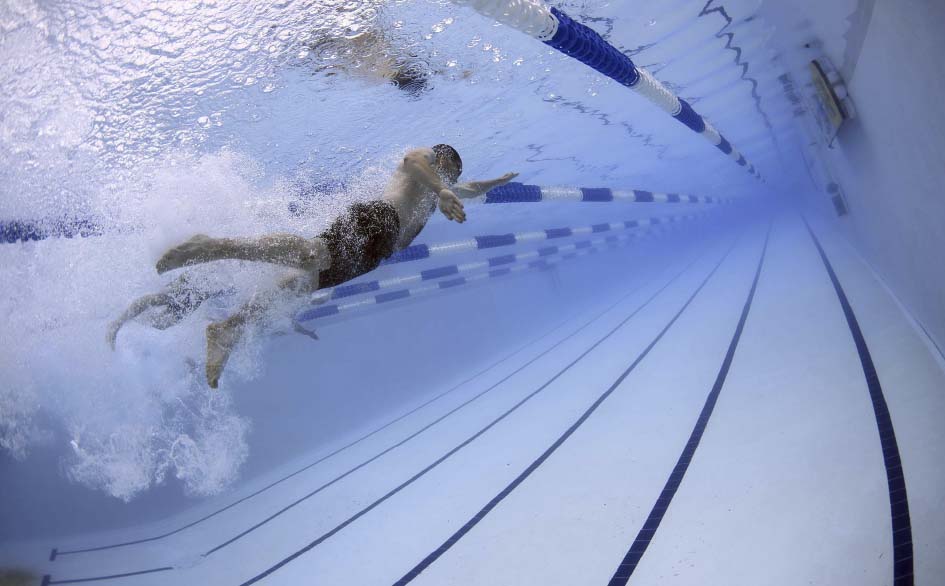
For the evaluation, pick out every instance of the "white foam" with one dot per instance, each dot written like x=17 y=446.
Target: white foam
x=139 y=416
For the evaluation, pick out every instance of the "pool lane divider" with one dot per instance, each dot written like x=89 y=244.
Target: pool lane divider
x=581 y=250
x=25 y=230
x=357 y=288
x=673 y=279
x=523 y=193
x=13 y=231
x=642 y=541
x=468 y=526
x=895 y=480
x=558 y=30
x=487 y=241
x=325 y=311
x=489 y=426
x=497 y=266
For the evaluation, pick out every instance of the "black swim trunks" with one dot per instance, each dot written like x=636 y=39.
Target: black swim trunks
x=359 y=240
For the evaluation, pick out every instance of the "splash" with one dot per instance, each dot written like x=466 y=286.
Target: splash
x=197 y=438
x=141 y=415
x=135 y=417
x=115 y=113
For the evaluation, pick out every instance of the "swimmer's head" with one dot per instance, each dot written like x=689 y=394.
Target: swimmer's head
x=412 y=79
x=447 y=163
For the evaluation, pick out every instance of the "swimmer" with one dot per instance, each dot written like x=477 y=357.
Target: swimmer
x=180 y=298
x=373 y=54
x=354 y=244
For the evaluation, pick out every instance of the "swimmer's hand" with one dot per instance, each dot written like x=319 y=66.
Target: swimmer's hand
x=451 y=206
x=503 y=180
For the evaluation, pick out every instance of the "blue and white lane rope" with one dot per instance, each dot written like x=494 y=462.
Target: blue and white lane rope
x=25 y=231
x=523 y=193
x=556 y=29
x=573 y=251
x=422 y=251
x=335 y=309
x=453 y=270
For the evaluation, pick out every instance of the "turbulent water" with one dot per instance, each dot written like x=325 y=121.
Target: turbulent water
x=158 y=120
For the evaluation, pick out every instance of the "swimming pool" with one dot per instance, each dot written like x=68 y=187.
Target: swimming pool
x=639 y=362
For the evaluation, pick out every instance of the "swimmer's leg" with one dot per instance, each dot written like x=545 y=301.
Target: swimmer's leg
x=308 y=254
x=223 y=336
x=315 y=300
x=136 y=308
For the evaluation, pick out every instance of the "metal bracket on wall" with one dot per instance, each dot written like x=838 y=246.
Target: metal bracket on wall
x=834 y=106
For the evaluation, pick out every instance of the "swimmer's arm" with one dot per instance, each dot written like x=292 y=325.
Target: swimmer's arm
x=478 y=188
x=134 y=310
x=417 y=166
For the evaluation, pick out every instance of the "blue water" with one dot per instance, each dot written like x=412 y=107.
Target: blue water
x=153 y=122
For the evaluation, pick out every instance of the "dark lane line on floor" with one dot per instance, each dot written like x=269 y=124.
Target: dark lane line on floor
x=428 y=426
x=57 y=553
x=648 y=531
x=469 y=440
x=453 y=539
x=47 y=579
x=623 y=298
x=898 y=500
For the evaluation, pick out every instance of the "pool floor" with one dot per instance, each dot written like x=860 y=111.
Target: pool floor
x=713 y=426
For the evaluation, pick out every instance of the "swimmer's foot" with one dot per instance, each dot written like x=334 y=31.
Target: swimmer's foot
x=183 y=254
x=221 y=339
x=300 y=329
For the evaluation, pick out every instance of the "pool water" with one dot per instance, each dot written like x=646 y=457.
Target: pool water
x=651 y=368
